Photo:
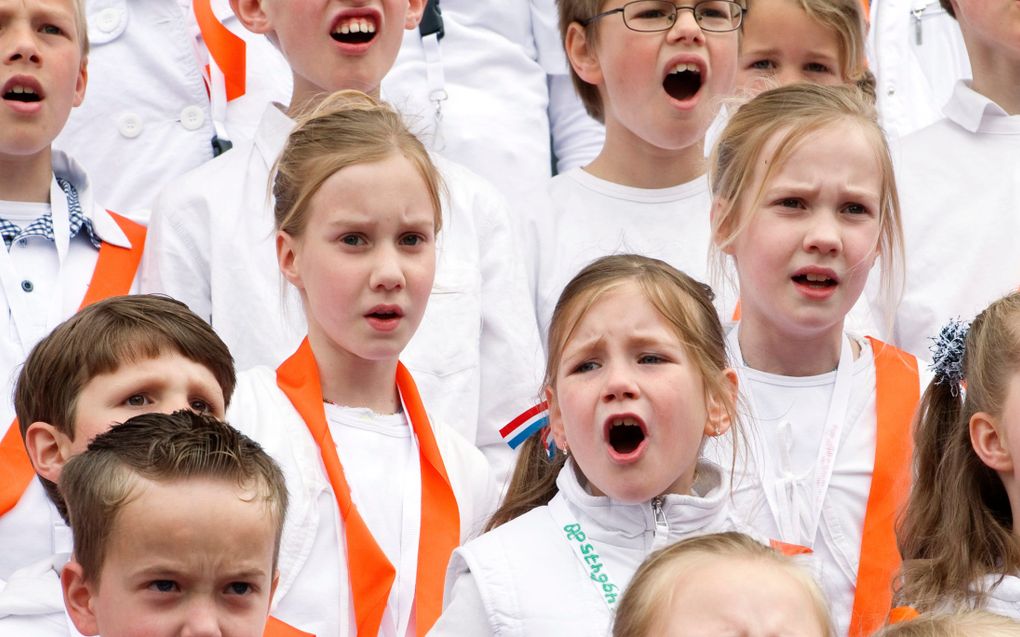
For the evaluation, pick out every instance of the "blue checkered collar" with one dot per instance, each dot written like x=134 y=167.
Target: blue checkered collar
x=43 y=226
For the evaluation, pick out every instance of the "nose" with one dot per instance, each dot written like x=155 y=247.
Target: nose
x=201 y=620
x=620 y=383
x=387 y=269
x=824 y=235
x=686 y=27
x=19 y=44
x=789 y=75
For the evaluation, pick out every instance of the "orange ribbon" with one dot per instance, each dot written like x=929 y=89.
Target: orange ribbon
x=225 y=48
x=114 y=272
x=371 y=574
x=277 y=628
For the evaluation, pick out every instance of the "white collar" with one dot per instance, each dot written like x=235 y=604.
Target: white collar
x=274 y=128
x=65 y=167
x=34 y=589
x=978 y=114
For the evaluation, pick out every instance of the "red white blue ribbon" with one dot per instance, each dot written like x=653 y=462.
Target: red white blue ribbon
x=527 y=424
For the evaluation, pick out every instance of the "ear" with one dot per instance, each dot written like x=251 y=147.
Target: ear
x=556 y=420
x=415 y=10
x=272 y=587
x=48 y=449
x=78 y=596
x=82 y=82
x=989 y=444
x=252 y=16
x=718 y=421
x=287 y=256
x=581 y=53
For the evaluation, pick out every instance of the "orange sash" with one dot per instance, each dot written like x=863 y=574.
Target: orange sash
x=225 y=48
x=371 y=574
x=277 y=628
x=902 y=614
x=114 y=272
x=897 y=393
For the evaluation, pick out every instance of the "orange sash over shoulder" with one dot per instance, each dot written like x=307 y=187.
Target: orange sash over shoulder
x=115 y=271
x=226 y=49
x=277 y=628
x=897 y=387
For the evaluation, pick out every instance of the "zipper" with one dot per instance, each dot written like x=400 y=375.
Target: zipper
x=660 y=534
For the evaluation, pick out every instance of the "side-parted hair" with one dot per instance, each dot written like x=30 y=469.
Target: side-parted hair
x=163 y=448
x=686 y=305
x=958 y=524
x=98 y=340
x=345 y=129
x=795 y=112
x=975 y=623
x=571 y=11
x=651 y=590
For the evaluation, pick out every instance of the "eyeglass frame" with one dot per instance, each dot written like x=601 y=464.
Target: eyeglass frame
x=676 y=11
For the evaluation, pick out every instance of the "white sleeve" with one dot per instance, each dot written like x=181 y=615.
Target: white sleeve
x=464 y=613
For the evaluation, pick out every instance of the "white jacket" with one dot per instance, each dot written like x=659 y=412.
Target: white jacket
x=313 y=593
x=476 y=355
x=524 y=578
x=32 y=602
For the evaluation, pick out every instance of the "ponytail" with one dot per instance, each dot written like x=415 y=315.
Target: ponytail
x=533 y=483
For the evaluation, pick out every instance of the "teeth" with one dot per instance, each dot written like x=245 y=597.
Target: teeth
x=355 y=25
x=689 y=67
x=816 y=277
x=625 y=422
x=23 y=89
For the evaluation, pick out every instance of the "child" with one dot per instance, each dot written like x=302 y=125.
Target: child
x=958 y=540
x=973 y=623
x=805 y=202
x=959 y=183
x=383 y=494
x=115 y=359
x=636 y=381
x=655 y=75
x=177 y=521
x=477 y=353
x=724 y=583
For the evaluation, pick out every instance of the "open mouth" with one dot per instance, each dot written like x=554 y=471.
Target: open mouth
x=22 y=94
x=384 y=315
x=683 y=82
x=625 y=435
x=355 y=30
x=815 y=280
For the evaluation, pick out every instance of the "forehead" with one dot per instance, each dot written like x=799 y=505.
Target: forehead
x=47 y=7
x=622 y=311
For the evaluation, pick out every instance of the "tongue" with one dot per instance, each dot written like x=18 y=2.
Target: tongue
x=683 y=85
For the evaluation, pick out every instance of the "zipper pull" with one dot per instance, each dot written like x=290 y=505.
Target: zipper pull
x=917 y=14
x=660 y=535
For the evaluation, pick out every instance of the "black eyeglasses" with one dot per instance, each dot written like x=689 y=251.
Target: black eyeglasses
x=717 y=16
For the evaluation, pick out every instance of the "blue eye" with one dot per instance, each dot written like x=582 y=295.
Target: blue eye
x=856 y=209
x=816 y=67
x=137 y=400
x=651 y=359
x=762 y=65
x=240 y=588
x=164 y=586
x=51 y=29
x=352 y=240
x=586 y=366
x=412 y=240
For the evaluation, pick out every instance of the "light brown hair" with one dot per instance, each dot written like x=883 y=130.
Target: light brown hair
x=81 y=26
x=651 y=590
x=345 y=129
x=958 y=524
x=975 y=623
x=571 y=11
x=98 y=340
x=795 y=112
x=166 y=448
x=686 y=305
x=846 y=18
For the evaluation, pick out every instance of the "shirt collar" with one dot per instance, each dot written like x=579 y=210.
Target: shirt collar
x=272 y=133
x=978 y=114
x=103 y=225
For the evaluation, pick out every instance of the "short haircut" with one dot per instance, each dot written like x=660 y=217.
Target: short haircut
x=975 y=623
x=162 y=448
x=81 y=26
x=571 y=11
x=98 y=340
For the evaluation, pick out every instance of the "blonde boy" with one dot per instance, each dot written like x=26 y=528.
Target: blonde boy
x=655 y=73
x=177 y=521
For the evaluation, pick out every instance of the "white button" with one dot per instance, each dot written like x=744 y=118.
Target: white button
x=129 y=125
x=192 y=117
x=108 y=20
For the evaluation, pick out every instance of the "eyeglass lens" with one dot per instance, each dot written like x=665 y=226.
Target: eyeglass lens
x=659 y=15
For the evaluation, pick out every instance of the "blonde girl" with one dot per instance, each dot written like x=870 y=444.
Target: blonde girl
x=724 y=583
x=973 y=623
x=381 y=495
x=804 y=205
x=958 y=539
x=636 y=380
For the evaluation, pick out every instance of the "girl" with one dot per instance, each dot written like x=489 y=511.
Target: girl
x=805 y=203
x=380 y=495
x=721 y=583
x=636 y=378
x=959 y=543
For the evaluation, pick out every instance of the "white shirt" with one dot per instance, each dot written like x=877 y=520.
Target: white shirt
x=32 y=601
x=476 y=355
x=959 y=187
x=59 y=272
x=915 y=73
x=147 y=116
x=314 y=591
x=1003 y=597
x=508 y=90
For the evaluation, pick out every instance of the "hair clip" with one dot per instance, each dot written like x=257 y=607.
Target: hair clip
x=947 y=351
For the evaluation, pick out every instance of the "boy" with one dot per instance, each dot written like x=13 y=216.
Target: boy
x=655 y=74
x=62 y=251
x=115 y=359
x=177 y=521
x=476 y=354
x=959 y=186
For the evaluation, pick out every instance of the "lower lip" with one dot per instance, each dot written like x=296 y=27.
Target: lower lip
x=383 y=325
x=816 y=293
x=628 y=458
x=349 y=48
x=25 y=108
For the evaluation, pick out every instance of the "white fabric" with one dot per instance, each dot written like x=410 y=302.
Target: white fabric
x=145 y=68
x=914 y=80
x=789 y=416
x=32 y=602
x=313 y=571
x=592 y=217
x=60 y=272
x=508 y=92
x=476 y=355
x=528 y=579
x=959 y=187
x=1003 y=597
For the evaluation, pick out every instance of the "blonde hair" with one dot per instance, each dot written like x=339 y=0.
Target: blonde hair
x=686 y=305
x=846 y=18
x=99 y=482
x=653 y=586
x=81 y=26
x=975 y=623
x=345 y=129
x=796 y=112
x=958 y=524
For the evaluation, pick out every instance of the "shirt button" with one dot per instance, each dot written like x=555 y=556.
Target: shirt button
x=108 y=20
x=192 y=117
x=27 y=286
x=129 y=125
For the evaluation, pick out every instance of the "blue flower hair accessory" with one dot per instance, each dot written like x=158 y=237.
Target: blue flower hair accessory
x=947 y=351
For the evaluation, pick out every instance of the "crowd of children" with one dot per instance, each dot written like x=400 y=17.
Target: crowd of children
x=359 y=230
